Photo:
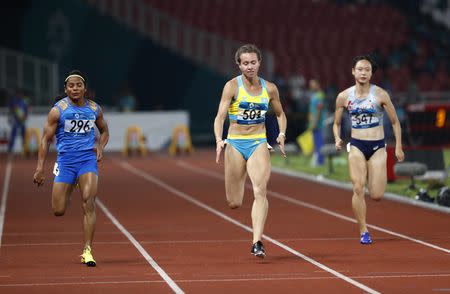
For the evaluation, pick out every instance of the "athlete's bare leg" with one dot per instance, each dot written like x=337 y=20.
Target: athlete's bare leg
x=88 y=187
x=258 y=168
x=377 y=177
x=235 y=174
x=358 y=173
x=60 y=197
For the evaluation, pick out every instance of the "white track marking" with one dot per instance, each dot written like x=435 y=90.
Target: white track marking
x=192 y=200
x=5 y=196
x=141 y=249
x=218 y=280
x=219 y=176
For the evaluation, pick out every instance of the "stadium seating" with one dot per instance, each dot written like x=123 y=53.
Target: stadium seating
x=317 y=38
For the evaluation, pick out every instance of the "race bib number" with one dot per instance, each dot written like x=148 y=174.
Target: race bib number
x=364 y=120
x=56 y=169
x=78 y=126
x=251 y=114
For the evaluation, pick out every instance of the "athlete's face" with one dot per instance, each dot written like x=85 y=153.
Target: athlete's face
x=75 y=88
x=362 y=71
x=249 y=65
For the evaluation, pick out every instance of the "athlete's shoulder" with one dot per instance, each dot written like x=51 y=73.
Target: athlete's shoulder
x=344 y=94
x=93 y=105
x=342 y=97
x=271 y=87
x=231 y=85
x=380 y=91
x=63 y=104
x=233 y=81
x=53 y=114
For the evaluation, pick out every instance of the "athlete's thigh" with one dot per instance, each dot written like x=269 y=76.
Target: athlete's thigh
x=258 y=165
x=60 y=194
x=235 y=172
x=377 y=173
x=357 y=166
x=88 y=183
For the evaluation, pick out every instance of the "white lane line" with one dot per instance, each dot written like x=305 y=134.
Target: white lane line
x=141 y=249
x=84 y=283
x=5 y=196
x=219 y=176
x=192 y=200
x=348 y=186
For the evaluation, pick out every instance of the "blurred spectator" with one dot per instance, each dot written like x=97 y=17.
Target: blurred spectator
x=127 y=101
x=17 y=117
x=316 y=118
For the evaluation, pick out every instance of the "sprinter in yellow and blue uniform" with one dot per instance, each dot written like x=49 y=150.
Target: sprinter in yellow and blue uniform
x=248 y=110
x=72 y=121
x=367 y=153
x=246 y=99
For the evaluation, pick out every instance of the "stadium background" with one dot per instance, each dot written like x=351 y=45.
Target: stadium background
x=178 y=54
x=174 y=57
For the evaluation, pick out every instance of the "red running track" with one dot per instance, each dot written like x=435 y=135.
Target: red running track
x=163 y=226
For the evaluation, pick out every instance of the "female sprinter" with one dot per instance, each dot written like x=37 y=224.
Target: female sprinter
x=367 y=155
x=72 y=120
x=246 y=98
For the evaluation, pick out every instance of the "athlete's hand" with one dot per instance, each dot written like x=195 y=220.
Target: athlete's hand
x=38 y=177
x=99 y=153
x=280 y=140
x=339 y=143
x=399 y=154
x=219 y=147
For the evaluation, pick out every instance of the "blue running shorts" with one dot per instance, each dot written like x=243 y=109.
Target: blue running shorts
x=245 y=146
x=69 y=166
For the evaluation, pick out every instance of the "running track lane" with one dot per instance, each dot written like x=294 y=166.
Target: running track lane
x=233 y=269
x=277 y=275
x=40 y=252
x=391 y=264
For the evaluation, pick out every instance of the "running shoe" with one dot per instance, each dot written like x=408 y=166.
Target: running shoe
x=258 y=249
x=87 y=257
x=366 y=239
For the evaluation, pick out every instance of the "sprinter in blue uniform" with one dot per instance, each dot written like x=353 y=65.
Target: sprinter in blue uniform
x=365 y=103
x=72 y=121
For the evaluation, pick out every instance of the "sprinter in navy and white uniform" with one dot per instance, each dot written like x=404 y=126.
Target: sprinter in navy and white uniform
x=366 y=103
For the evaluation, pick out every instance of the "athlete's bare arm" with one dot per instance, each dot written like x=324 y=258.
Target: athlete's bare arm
x=281 y=116
x=386 y=102
x=47 y=138
x=341 y=100
x=227 y=95
x=102 y=126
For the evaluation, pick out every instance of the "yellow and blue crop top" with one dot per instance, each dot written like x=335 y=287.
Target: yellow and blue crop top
x=246 y=109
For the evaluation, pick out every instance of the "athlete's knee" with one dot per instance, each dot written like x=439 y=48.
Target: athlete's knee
x=358 y=189
x=376 y=196
x=89 y=205
x=59 y=211
x=259 y=190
